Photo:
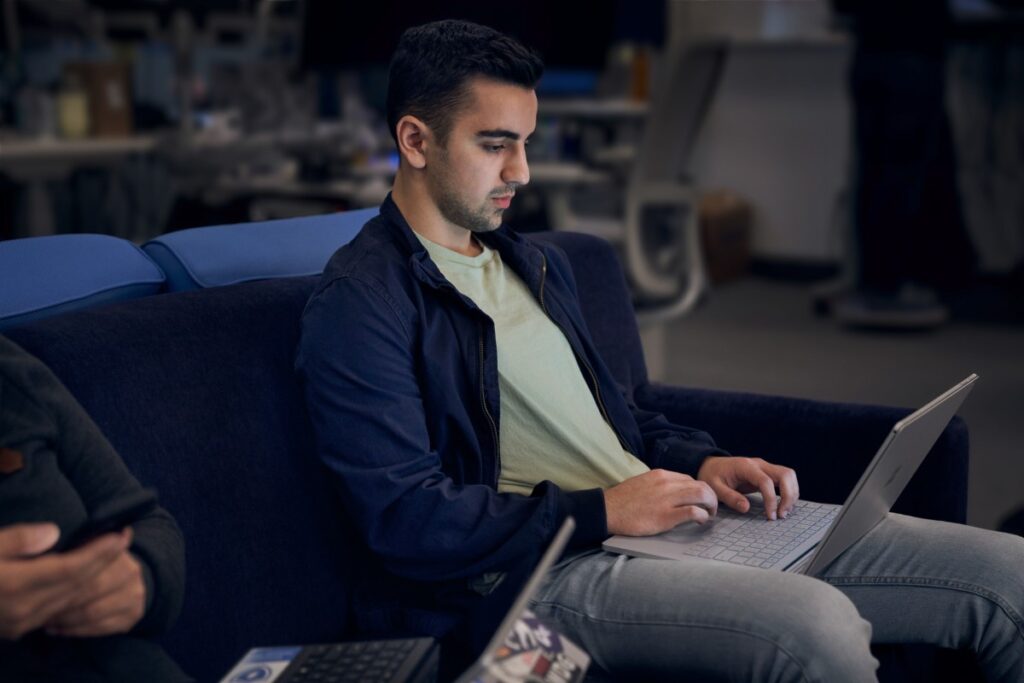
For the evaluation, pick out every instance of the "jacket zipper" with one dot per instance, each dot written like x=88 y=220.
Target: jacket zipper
x=580 y=358
x=487 y=413
x=483 y=397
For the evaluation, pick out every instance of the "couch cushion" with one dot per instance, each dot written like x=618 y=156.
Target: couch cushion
x=46 y=276
x=230 y=254
x=197 y=392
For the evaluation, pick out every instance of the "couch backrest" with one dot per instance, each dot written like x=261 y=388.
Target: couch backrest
x=45 y=276
x=220 y=255
x=197 y=392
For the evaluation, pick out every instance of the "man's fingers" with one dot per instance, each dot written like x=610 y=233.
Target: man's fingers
x=112 y=579
x=788 y=487
x=730 y=496
x=96 y=555
x=46 y=585
x=699 y=494
x=767 y=488
x=69 y=570
x=110 y=605
x=27 y=540
x=116 y=622
x=656 y=501
x=18 y=622
x=118 y=591
x=56 y=579
x=682 y=490
x=35 y=607
x=691 y=513
x=731 y=478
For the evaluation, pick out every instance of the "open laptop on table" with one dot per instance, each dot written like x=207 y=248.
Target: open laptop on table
x=813 y=534
x=521 y=650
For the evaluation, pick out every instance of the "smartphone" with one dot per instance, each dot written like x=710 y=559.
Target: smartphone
x=112 y=516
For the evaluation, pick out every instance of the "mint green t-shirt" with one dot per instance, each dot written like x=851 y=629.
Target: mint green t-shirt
x=551 y=427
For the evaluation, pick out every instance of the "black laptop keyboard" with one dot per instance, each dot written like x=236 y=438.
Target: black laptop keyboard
x=366 y=662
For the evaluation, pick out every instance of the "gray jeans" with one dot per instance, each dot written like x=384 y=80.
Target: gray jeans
x=907 y=581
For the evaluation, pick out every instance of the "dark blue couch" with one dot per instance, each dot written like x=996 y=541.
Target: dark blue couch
x=196 y=391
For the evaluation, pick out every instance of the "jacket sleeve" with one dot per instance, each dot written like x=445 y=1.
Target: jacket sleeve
x=99 y=476
x=670 y=446
x=356 y=359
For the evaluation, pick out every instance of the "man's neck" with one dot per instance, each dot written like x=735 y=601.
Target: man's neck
x=423 y=216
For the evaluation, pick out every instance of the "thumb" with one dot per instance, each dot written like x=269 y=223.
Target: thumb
x=26 y=540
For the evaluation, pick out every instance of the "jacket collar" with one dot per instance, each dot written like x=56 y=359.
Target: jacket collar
x=399 y=228
x=524 y=258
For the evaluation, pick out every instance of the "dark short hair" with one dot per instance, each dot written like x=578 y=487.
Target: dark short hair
x=433 y=64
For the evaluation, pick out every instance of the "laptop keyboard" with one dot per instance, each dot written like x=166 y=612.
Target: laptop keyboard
x=361 y=662
x=751 y=540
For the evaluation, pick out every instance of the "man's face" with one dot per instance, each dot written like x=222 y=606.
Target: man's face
x=473 y=177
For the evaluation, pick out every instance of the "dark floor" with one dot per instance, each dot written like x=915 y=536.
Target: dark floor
x=759 y=335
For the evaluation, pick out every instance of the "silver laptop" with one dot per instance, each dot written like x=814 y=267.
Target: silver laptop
x=813 y=534
x=507 y=650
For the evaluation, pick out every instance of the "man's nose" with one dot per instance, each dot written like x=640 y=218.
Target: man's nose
x=517 y=170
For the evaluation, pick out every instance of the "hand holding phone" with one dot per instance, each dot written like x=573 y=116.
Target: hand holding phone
x=40 y=584
x=112 y=516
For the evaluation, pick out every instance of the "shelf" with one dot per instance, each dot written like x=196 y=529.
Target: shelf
x=590 y=108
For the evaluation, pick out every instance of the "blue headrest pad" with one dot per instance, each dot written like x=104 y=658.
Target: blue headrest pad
x=45 y=276
x=229 y=254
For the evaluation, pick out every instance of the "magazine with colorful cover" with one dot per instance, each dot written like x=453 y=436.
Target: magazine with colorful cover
x=534 y=653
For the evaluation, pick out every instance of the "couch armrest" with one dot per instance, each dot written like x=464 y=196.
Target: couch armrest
x=828 y=444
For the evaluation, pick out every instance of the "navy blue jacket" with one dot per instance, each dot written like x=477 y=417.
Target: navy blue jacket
x=400 y=374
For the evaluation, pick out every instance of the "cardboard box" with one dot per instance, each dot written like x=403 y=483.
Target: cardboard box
x=726 y=224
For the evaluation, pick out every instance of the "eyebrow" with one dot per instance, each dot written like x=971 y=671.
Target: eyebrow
x=498 y=133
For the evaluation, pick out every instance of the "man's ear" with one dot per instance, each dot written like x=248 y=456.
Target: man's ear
x=413 y=138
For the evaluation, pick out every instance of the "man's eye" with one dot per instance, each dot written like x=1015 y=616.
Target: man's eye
x=494 y=148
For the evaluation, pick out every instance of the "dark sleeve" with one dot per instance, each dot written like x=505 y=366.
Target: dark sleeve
x=99 y=476
x=357 y=363
x=670 y=446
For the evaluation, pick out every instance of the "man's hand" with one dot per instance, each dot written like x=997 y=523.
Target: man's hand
x=112 y=601
x=35 y=587
x=732 y=477
x=657 y=501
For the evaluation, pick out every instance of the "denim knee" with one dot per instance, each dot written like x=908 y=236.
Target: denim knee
x=827 y=637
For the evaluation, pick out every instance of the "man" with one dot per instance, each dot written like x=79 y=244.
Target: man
x=82 y=614
x=460 y=402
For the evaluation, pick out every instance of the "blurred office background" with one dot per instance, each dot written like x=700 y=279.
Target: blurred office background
x=810 y=197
